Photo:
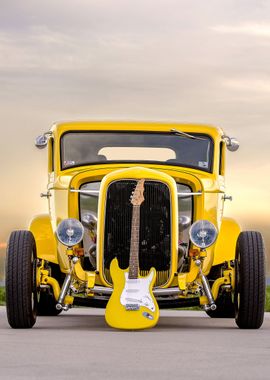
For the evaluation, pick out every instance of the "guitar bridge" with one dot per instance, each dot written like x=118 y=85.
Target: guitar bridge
x=132 y=307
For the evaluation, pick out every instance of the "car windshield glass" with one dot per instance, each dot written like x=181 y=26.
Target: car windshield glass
x=84 y=148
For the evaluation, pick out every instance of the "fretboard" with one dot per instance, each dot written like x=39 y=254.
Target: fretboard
x=134 y=243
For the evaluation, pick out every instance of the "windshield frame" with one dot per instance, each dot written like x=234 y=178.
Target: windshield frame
x=154 y=162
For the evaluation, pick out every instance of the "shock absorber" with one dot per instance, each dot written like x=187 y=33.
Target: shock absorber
x=63 y=293
x=208 y=293
x=65 y=288
x=206 y=288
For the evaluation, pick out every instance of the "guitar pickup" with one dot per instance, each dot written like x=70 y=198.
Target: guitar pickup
x=132 y=307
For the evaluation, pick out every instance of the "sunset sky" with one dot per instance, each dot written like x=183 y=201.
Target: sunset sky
x=184 y=61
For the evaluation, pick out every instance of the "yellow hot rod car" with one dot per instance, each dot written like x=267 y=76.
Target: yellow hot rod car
x=172 y=175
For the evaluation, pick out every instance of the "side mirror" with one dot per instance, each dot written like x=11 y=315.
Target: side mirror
x=232 y=143
x=42 y=140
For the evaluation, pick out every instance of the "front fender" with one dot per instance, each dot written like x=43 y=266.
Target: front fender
x=46 y=244
x=226 y=241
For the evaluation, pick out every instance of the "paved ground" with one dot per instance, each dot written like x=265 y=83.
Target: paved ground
x=184 y=345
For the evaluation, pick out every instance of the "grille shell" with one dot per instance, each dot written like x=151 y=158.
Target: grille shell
x=155 y=228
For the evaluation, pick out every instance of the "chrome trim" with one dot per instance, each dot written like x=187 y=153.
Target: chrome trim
x=156 y=292
x=188 y=194
x=167 y=291
x=96 y=192
x=93 y=193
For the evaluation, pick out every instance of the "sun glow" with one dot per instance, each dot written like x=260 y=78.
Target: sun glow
x=249 y=29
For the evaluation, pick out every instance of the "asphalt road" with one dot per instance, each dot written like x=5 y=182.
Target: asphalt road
x=184 y=345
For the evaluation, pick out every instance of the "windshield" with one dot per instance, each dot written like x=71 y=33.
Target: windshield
x=84 y=148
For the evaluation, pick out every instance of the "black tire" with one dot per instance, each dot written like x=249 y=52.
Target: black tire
x=46 y=305
x=225 y=307
x=249 y=297
x=21 y=293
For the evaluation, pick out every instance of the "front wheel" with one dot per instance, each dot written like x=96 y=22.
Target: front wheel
x=249 y=297
x=21 y=292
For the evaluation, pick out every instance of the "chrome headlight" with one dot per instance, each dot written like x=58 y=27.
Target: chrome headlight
x=70 y=232
x=203 y=233
x=183 y=222
x=89 y=220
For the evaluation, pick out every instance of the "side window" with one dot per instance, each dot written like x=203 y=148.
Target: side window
x=221 y=158
x=51 y=155
x=185 y=211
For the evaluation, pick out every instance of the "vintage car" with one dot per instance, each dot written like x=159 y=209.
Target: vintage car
x=200 y=257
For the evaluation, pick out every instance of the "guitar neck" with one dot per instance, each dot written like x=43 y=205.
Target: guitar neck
x=134 y=243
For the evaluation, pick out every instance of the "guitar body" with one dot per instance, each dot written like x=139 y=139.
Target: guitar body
x=132 y=305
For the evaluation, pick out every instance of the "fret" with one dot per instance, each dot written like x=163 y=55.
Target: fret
x=136 y=201
x=134 y=243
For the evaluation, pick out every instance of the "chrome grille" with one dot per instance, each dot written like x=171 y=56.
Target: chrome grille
x=155 y=228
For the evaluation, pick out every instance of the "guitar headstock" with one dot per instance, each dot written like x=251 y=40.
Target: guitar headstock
x=137 y=197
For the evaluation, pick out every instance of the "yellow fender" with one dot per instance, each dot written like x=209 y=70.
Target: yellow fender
x=46 y=243
x=226 y=241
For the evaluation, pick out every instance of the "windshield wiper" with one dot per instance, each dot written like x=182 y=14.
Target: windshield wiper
x=180 y=133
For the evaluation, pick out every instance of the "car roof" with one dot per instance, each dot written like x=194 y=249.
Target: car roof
x=143 y=126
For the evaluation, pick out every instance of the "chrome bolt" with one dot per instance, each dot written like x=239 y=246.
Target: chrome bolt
x=75 y=259
x=198 y=263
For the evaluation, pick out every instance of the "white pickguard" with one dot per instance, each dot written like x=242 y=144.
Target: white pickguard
x=136 y=291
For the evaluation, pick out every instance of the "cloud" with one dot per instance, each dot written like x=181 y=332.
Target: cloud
x=248 y=84
x=248 y=29
x=185 y=60
x=40 y=49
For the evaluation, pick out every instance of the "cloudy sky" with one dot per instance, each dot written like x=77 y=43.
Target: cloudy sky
x=182 y=60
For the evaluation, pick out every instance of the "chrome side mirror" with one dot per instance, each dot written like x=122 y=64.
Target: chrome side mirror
x=232 y=143
x=42 y=140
